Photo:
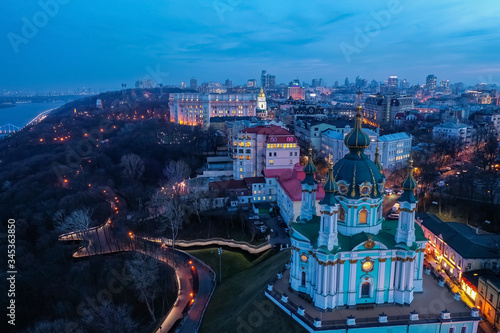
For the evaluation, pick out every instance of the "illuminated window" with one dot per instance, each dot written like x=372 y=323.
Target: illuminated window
x=363 y=216
x=241 y=169
x=271 y=161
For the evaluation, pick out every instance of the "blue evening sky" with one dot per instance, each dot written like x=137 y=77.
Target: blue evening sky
x=101 y=44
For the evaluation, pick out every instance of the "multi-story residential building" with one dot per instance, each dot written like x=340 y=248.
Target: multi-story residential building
x=333 y=148
x=384 y=107
x=196 y=109
x=452 y=132
x=394 y=148
x=310 y=130
x=488 y=299
x=263 y=147
x=459 y=248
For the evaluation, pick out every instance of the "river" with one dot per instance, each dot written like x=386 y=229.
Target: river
x=23 y=113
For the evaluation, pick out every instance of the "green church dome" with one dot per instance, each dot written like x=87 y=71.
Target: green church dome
x=356 y=175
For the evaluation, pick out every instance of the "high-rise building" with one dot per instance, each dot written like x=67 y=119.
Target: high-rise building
x=430 y=82
x=193 y=84
x=271 y=81
x=321 y=82
x=252 y=83
x=228 y=83
x=346 y=82
x=384 y=107
x=264 y=80
x=392 y=83
x=314 y=83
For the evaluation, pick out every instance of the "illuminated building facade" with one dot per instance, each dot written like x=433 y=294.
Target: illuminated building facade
x=457 y=247
x=263 y=147
x=488 y=299
x=196 y=109
x=349 y=254
x=295 y=92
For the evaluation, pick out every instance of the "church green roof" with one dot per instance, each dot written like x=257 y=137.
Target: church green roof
x=386 y=235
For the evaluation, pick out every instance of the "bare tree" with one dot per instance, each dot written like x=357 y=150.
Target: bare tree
x=172 y=218
x=132 y=165
x=176 y=171
x=78 y=220
x=112 y=318
x=157 y=204
x=143 y=271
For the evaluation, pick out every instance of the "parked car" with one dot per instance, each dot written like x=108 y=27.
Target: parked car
x=258 y=223
x=255 y=217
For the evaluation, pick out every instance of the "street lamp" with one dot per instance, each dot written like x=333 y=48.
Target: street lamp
x=219 y=252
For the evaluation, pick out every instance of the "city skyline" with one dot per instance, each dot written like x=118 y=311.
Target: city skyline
x=71 y=44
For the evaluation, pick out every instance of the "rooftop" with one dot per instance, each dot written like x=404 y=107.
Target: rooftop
x=269 y=130
x=290 y=181
x=385 y=236
x=394 y=137
x=462 y=238
x=429 y=304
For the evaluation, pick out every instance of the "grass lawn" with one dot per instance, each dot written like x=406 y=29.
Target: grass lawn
x=232 y=262
x=239 y=304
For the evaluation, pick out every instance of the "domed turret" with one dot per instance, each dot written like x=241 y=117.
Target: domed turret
x=310 y=170
x=377 y=160
x=330 y=187
x=357 y=139
x=409 y=185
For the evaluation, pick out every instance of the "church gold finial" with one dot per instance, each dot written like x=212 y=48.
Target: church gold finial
x=261 y=94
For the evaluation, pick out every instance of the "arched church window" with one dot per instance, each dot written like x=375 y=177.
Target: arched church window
x=365 y=289
x=363 y=216
x=341 y=214
x=303 y=280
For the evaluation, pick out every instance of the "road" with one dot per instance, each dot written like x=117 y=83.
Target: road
x=101 y=242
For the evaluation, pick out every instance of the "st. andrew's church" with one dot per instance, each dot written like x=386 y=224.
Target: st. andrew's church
x=350 y=254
